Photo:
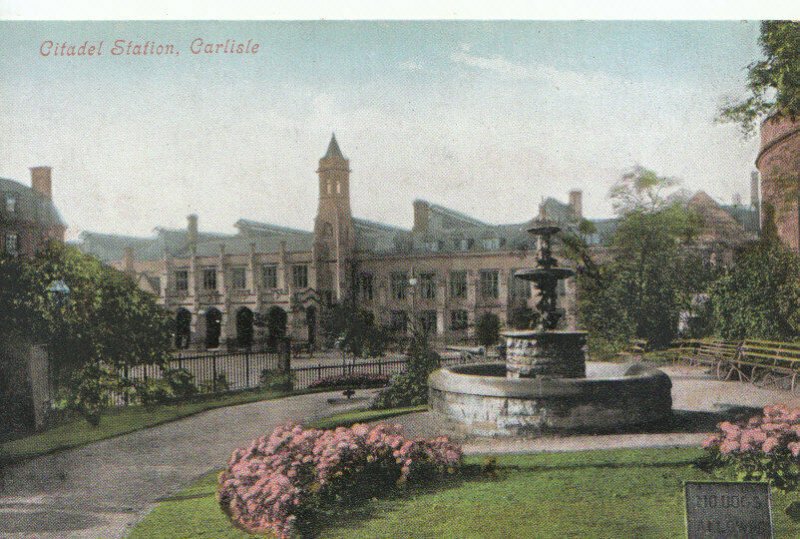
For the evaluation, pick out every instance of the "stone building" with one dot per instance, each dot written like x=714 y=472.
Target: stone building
x=778 y=162
x=28 y=217
x=446 y=271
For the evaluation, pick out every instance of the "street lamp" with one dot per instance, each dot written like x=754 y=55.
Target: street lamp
x=59 y=292
x=412 y=282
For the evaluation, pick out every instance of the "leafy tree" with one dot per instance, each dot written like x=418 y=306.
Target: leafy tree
x=106 y=323
x=641 y=190
x=410 y=388
x=487 y=329
x=276 y=326
x=354 y=330
x=773 y=81
x=759 y=296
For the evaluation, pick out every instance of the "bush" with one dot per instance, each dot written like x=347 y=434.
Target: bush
x=275 y=380
x=181 y=382
x=355 y=381
x=278 y=483
x=153 y=391
x=88 y=391
x=410 y=388
x=765 y=448
x=218 y=385
x=487 y=329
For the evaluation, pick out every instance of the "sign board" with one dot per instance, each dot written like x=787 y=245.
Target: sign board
x=717 y=510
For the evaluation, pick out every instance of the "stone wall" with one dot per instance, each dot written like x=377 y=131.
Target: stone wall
x=779 y=162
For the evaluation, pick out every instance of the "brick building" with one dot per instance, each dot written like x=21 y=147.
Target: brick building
x=446 y=271
x=778 y=162
x=28 y=217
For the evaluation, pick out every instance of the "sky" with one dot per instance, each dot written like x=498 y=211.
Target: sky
x=486 y=118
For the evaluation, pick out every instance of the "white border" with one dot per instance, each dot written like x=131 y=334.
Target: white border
x=398 y=9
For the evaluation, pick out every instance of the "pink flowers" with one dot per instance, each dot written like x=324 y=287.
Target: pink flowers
x=765 y=447
x=269 y=483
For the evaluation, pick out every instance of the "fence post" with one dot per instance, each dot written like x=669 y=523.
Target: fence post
x=180 y=361
x=214 y=372
x=247 y=369
x=319 y=371
x=125 y=374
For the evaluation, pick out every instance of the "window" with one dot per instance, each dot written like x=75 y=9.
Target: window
x=433 y=246
x=269 y=276
x=366 y=286
x=11 y=204
x=490 y=288
x=458 y=320
x=300 y=276
x=463 y=244
x=210 y=279
x=398 y=321
x=427 y=285
x=458 y=284
x=520 y=288
x=491 y=243
x=239 y=278
x=398 y=283
x=562 y=287
x=181 y=281
x=12 y=244
x=427 y=321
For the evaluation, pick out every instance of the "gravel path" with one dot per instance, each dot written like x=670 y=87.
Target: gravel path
x=101 y=489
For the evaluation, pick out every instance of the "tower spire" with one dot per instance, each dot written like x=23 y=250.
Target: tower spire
x=333 y=149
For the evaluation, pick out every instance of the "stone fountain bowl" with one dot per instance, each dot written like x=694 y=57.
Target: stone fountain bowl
x=479 y=399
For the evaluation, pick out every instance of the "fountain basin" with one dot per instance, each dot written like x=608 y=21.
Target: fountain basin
x=480 y=400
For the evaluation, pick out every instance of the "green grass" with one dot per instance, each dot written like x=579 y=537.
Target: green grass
x=597 y=494
x=122 y=420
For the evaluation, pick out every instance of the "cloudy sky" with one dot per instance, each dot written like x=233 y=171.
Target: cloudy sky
x=486 y=118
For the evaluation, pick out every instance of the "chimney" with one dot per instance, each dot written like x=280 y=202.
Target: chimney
x=576 y=203
x=191 y=229
x=421 y=216
x=127 y=260
x=754 y=191
x=41 y=181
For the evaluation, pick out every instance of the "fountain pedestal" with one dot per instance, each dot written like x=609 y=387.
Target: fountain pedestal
x=559 y=354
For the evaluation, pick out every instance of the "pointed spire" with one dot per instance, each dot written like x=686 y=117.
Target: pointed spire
x=333 y=149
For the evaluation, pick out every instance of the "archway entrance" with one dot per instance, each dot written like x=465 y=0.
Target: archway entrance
x=311 y=322
x=213 y=327
x=276 y=326
x=244 y=327
x=183 y=328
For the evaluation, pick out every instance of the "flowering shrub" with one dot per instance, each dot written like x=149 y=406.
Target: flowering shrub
x=357 y=381
x=762 y=448
x=283 y=478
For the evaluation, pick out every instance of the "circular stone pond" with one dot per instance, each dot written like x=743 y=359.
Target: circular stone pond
x=480 y=399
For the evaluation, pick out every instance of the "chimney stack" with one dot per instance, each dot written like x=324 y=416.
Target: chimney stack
x=42 y=182
x=576 y=203
x=191 y=228
x=421 y=216
x=754 y=191
x=127 y=260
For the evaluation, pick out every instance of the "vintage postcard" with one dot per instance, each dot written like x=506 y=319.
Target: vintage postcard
x=438 y=276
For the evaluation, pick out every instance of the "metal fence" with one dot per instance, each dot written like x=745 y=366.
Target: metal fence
x=220 y=372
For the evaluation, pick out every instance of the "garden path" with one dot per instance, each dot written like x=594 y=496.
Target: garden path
x=101 y=489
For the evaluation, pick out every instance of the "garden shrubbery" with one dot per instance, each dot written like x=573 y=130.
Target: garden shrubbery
x=765 y=448
x=278 y=483
x=354 y=381
x=410 y=388
x=276 y=380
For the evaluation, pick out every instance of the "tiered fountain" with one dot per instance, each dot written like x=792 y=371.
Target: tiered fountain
x=545 y=385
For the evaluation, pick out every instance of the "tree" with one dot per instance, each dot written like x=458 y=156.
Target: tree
x=759 y=296
x=640 y=190
x=106 y=323
x=410 y=388
x=487 y=329
x=276 y=326
x=773 y=81
x=354 y=330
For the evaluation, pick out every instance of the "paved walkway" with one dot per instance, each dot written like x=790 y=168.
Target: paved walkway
x=101 y=489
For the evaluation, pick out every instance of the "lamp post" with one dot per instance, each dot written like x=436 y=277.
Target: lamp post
x=58 y=292
x=412 y=282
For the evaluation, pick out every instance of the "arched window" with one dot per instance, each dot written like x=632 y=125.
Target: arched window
x=213 y=327
x=338 y=187
x=183 y=328
x=244 y=327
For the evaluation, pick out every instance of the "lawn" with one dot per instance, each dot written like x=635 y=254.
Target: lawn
x=122 y=420
x=598 y=494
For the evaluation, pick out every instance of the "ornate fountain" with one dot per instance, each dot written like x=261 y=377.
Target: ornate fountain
x=545 y=384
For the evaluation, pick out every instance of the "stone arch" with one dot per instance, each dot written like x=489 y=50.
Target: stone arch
x=277 y=320
x=244 y=327
x=183 y=328
x=213 y=318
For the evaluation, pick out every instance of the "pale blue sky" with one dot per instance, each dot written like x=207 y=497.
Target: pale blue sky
x=486 y=118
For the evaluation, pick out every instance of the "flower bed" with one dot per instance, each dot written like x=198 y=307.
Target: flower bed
x=764 y=448
x=355 y=381
x=280 y=480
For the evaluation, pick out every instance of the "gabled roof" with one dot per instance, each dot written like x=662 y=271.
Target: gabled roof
x=31 y=205
x=450 y=218
x=333 y=149
x=367 y=225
